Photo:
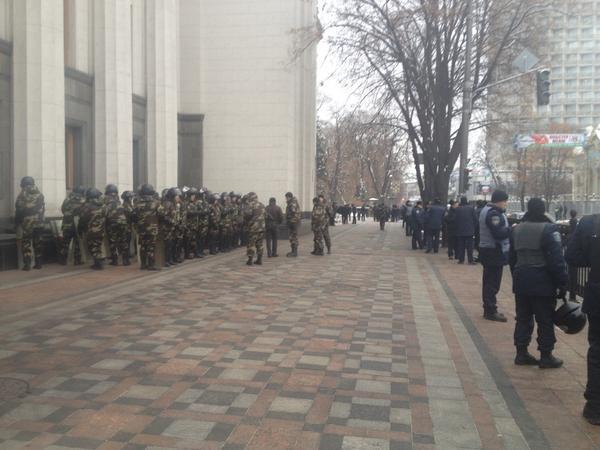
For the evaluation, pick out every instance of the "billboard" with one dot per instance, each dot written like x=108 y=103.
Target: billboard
x=549 y=140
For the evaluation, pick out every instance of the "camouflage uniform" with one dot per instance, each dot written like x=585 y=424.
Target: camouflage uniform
x=145 y=215
x=318 y=220
x=29 y=218
x=214 y=224
x=167 y=214
x=180 y=227
x=71 y=208
x=117 y=229
x=93 y=224
x=202 y=225
x=254 y=218
x=293 y=216
x=226 y=224
x=192 y=228
x=128 y=208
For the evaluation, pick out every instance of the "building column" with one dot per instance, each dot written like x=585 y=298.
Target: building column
x=161 y=82
x=39 y=98
x=113 y=162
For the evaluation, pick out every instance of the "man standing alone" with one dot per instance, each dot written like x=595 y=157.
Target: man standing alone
x=274 y=218
x=293 y=216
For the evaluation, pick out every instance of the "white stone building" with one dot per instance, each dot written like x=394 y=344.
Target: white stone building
x=219 y=93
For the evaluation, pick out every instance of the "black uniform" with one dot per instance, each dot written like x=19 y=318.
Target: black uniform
x=583 y=250
x=493 y=253
x=539 y=272
x=417 y=220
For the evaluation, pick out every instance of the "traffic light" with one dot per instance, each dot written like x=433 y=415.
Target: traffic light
x=466 y=180
x=543 y=87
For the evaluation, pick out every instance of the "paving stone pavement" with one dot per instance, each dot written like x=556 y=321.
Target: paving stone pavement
x=373 y=347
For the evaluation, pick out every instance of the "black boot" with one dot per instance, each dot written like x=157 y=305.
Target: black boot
x=151 y=265
x=258 y=261
x=524 y=358
x=591 y=415
x=495 y=317
x=293 y=253
x=27 y=263
x=38 y=263
x=549 y=361
x=97 y=264
x=167 y=254
x=249 y=262
x=114 y=260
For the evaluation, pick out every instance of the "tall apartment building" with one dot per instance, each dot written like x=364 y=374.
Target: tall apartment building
x=218 y=93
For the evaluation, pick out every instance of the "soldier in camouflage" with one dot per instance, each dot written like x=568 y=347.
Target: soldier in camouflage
x=254 y=218
x=293 y=216
x=192 y=223
x=180 y=227
x=71 y=209
x=329 y=219
x=145 y=216
x=116 y=226
x=168 y=221
x=226 y=223
x=214 y=223
x=318 y=220
x=128 y=198
x=29 y=219
x=93 y=223
x=202 y=223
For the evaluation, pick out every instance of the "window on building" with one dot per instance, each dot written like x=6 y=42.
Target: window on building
x=587 y=33
x=587 y=58
x=586 y=83
x=585 y=109
x=571 y=71
x=571 y=58
x=587 y=95
x=556 y=110
x=571 y=120
x=588 y=45
x=570 y=110
x=570 y=84
x=585 y=121
x=572 y=45
x=587 y=19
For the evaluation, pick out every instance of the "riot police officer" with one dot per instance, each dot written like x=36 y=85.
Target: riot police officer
x=583 y=250
x=539 y=273
x=493 y=254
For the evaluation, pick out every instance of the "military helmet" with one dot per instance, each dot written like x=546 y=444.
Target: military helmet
x=173 y=192
x=111 y=189
x=126 y=195
x=569 y=317
x=27 y=181
x=147 y=189
x=79 y=190
x=192 y=191
x=289 y=195
x=93 y=193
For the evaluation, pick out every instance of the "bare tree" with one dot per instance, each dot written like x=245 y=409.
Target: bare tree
x=408 y=55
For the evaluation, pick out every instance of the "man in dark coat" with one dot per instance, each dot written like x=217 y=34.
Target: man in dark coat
x=466 y=223
x=450 y=222
x=417 y=220
x=434 y=218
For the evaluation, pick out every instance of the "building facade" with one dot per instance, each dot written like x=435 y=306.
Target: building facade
x=216 y=93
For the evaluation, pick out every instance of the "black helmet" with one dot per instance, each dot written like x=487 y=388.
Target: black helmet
x=126 y=195
x=79 y=190
x=27 y=181
x=147 y=189
x=173 y=192
x=111 y=189
x=93 y=193
x=569 y=317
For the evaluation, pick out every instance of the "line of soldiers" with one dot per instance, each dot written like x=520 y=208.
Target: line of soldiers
x=188 y=222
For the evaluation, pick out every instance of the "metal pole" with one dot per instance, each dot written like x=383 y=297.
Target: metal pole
x=467 y=99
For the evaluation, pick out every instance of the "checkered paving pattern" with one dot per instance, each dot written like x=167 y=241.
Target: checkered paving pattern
x=325 y=353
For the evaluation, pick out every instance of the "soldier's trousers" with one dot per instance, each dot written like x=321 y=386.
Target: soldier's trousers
x=118 y=239
x=255 y=241
x=70 y=234
x=293 y=232
x=191 y=237
x=318 y=239
x=272 y=235
x=31 y=239
x=147 y=245
x=326 y=237
x=94 y=244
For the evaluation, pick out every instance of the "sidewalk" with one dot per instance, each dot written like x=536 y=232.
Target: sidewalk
x=373 y=347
